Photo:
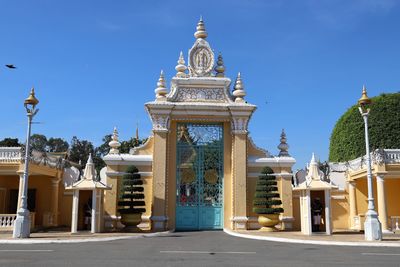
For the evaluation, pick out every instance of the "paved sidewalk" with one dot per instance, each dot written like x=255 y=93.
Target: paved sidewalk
x=337 y=238
x=67 y=237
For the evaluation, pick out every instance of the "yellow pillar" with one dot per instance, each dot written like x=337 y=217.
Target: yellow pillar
x=285 y=181
x=239 y=160
x=54 y=202
x=382 y=210
x=353 y=204
x=111 y=203
x=159 y=216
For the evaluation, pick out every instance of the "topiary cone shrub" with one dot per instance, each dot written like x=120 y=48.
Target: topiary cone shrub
x=131 y=199
x=266 y=198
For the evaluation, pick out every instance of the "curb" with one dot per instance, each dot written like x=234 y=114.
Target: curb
x=313 y=242
x=79 y=240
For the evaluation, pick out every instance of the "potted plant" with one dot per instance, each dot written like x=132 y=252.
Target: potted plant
x=131 y=200
x=267 y=201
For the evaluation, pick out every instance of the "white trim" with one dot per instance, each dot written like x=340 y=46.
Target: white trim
x=341 y=197
x=281 y=174
x=312 y=242
x=128 y=159
x=116 y=174
x=69 y=240
x=271 y=162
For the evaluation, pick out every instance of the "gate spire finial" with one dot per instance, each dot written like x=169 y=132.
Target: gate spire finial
x=201 y=29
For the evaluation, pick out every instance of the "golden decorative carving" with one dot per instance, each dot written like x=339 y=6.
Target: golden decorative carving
x=211 y=176
x=188 y=176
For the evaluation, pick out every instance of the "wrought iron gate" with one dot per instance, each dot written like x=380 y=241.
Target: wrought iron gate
x=199 y=176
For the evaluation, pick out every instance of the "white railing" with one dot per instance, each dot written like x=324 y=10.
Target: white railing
x=395 y=223
x=7 y=221
x=10 y=154
x=392 y=155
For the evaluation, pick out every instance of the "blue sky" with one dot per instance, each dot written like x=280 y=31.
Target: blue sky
x=95 y=63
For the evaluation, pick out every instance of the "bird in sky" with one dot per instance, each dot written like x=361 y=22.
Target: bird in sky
x=10 y=66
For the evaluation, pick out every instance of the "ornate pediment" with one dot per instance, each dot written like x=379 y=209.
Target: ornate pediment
x=200 y=95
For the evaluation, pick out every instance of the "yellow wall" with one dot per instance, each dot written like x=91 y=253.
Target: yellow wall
x=64 y=207
x=8 y=182
x=296 y=212
x=340 y=210
x=392 y=188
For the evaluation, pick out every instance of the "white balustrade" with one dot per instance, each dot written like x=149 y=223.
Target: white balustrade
x=10 y=154
x=392 y=155
x=7 y=221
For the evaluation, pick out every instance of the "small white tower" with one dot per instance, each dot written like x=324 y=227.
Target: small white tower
x=238 y=90
x=161 y=90
x=181 y=67
x=114 y=143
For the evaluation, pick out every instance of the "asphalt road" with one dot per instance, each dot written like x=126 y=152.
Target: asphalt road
x=194 y=249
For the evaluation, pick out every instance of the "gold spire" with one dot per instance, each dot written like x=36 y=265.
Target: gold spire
x=201 y=30
x=220 y=68
x=137 y=131
x=364 y=100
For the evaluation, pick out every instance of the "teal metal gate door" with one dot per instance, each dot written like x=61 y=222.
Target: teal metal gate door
x=199 y=176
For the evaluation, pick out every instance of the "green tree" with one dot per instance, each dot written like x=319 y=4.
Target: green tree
x=79 y=150
x=347 y=141
x=56 y=145
x=10 y=142
x=38 y=142
x=104 y=148
x=131 y=143
x=131 y=199
x=266 y=198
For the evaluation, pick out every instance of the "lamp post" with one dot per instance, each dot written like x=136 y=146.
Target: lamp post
x=22 y=223
x=372 y=226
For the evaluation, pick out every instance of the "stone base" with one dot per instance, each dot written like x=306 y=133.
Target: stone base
x=372 y=228
x=158 y=223
x=239 y=222
x=22 y=225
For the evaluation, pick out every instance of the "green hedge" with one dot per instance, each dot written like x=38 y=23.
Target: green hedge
x=347 y=140
x=266 y=198
x=129 y=200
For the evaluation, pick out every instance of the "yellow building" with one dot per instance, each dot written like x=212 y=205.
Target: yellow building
x=349 y=202
x=386 y=185
x=46 y=199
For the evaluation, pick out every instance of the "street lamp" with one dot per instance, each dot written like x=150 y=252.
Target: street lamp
x=372 y=226
x=22 y=223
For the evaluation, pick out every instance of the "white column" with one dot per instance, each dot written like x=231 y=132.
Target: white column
x=75 y=212
x=305 y=211
x=20 y=188
x=328 y=225
x=381 y=197
x=93 y=227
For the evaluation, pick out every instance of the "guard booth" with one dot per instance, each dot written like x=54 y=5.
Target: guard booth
x=86 y=212
x=315 y=202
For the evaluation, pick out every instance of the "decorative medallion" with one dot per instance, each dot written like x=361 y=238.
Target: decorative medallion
x=188 y=176
x=211 y=176
x=201 y=59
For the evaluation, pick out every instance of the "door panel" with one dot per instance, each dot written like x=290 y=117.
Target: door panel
x=199 y=175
